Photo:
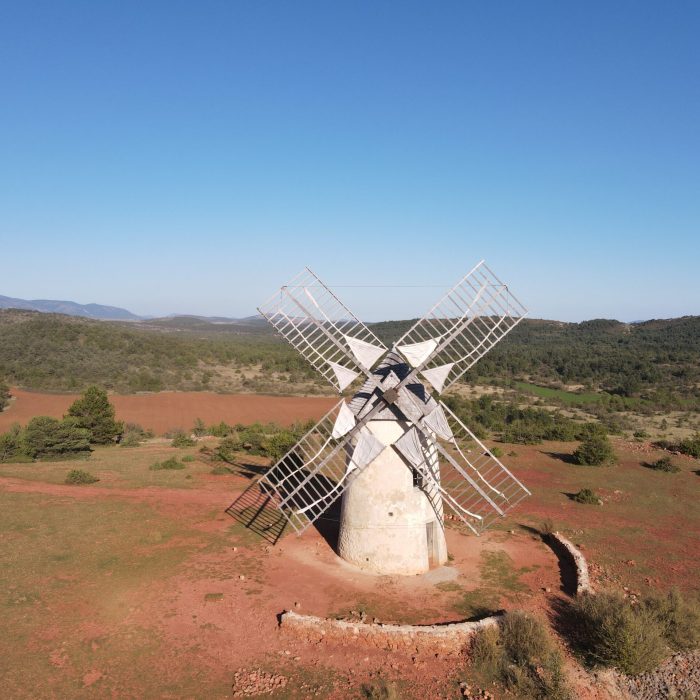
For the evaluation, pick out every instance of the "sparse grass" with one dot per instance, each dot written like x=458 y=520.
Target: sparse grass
x=380 y=690
x=220 y=470
x=521 y=655
x=167 y=464
x=79 y=476
x=547 y=527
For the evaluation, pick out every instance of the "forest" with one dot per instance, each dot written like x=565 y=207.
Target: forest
x=657 y=362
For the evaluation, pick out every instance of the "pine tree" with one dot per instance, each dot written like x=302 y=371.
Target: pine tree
x=95 y=413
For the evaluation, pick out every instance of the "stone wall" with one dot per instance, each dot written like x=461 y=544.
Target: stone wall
x=566 y=549
x=449 y=638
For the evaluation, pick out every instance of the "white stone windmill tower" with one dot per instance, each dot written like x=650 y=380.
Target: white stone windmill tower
x=395 y=453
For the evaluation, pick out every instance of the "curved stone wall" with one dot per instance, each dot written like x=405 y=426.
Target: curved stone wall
x=449 y=638
x=575 y=558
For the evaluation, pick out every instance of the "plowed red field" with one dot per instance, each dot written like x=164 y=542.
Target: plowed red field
x=172 y=409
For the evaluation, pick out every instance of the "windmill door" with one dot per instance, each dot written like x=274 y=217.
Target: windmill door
x=431 y=535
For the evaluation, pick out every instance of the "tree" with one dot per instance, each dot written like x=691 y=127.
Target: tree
x=595 y=450
x=95 y=413
x=46 y=437
x=4 y=395
x=10 y=444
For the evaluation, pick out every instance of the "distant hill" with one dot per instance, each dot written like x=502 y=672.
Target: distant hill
x=651 y=363
x=70 y=308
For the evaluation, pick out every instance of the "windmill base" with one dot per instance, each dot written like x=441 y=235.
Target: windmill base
x=387 y=524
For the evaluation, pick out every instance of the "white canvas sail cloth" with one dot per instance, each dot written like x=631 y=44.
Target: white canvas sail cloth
x=366 y=450
x=344 y=422
x=410 y=447
x=365 y=353
x=437 y=422
x=343 y=375
x=418 y=353
x=437 y=375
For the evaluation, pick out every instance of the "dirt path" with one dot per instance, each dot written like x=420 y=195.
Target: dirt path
x=171 y=409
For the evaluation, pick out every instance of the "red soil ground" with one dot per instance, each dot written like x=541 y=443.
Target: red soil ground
x=220 y=610
x=171 y=409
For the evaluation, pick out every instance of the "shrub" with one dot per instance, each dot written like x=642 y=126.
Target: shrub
x=521 y=655
x=678 y=618
x=220 y=470
x=4 y=395
x=608 y=631
x=134 y=435
x=95 y=413
x=50 y=438
x=199 y=429
x=11 y=445
x=171 y=463
x=220 y=430
x=664 y=465
x=182 y=440
x=497 y=452
x=691 y=446
x=587 y=496
x=640 y=434
x=595 y=450
x=188 y=458
x=78 y=476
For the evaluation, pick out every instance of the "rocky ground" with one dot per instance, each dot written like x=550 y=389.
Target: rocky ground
x=678 y=677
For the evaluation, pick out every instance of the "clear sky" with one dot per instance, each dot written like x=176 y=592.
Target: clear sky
x=192 y=156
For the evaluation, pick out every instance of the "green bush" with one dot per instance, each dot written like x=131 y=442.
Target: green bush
x=587 y=496
x=595 y=450
x=78 y=476
x=188 y=458
x=691 y=446
x=220 y=430
x=199 y=429
x=50 y=438
x=521 y=655
x=4 y=395
x=182 y=440
x=95 y=413
x=678 y=618
x=497 y=452
x=171 y=463
x=134 y=435
x=664 y=465
x=608 y=631
x=11 y=445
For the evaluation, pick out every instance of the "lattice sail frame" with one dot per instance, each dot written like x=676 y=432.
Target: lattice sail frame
x=461 y=328
x=468 y=321
x=498 y=492
x=323 y=330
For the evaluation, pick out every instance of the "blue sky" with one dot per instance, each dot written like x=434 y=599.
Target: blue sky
x=192 y=156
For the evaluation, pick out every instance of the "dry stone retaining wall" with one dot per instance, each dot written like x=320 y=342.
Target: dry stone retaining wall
x=567 y=549
x=445 y=639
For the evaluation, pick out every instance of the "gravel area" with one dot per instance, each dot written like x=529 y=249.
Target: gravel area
x=677 y=678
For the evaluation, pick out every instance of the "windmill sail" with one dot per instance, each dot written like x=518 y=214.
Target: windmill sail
x=323 y=330
x=475 y=481
x=461 y=328
x=316 y=471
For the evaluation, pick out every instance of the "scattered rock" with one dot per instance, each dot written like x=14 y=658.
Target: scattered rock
x=248 y=683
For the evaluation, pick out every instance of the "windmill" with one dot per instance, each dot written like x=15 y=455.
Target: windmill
x=395 y=453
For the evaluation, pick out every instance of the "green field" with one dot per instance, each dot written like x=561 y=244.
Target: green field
x=568 y=397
